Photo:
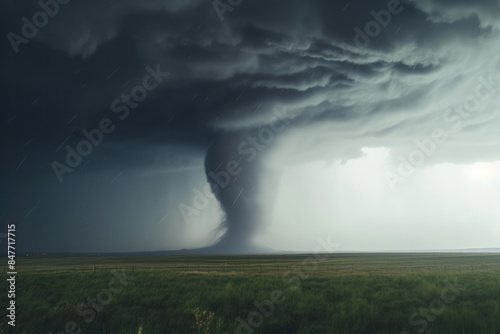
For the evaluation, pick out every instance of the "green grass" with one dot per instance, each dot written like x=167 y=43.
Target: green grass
x=348 y=293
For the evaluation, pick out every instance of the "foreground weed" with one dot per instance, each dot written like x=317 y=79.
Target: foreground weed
x=203 y=321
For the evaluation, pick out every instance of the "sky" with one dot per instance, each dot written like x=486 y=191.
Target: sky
x=243 y=126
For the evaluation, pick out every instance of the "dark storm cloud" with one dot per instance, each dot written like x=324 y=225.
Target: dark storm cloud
x=227 y=78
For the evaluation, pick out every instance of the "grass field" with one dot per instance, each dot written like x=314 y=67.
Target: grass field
x=337 y=293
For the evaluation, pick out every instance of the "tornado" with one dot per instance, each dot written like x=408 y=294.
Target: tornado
x=235 y=170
